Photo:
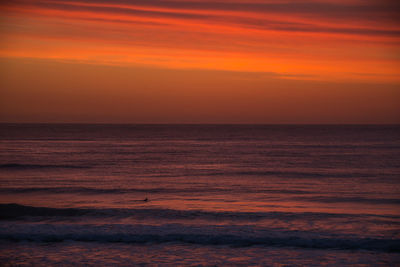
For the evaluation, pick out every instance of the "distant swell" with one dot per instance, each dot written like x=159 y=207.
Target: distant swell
x=91 y=190
x=17 y=166
x=16 y=211
x=298 y=174
x=203 y=235
x=342 y=199
x=273 y=173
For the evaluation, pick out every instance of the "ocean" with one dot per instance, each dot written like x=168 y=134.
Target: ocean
x=199 y=195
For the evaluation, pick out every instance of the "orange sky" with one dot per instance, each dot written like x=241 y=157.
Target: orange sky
x=192 y=61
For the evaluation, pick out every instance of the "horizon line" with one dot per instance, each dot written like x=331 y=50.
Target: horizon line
x=194 y=124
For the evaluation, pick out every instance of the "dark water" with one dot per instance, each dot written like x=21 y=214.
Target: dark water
x=217 y=195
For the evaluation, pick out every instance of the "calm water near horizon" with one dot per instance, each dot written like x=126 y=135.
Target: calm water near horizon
x=73 y=194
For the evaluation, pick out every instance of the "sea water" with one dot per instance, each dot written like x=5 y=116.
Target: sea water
x=203 y=195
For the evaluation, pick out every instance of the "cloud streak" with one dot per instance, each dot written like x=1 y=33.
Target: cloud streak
x=304 y=16
x=310 y=38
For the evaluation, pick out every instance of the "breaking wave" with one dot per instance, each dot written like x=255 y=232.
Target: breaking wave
x=241 y=236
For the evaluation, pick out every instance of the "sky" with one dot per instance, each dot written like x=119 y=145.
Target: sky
x=200 y=61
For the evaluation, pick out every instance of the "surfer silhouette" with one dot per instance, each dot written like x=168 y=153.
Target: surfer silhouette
x=146 y=199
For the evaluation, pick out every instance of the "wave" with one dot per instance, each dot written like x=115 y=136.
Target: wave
x=341 y=199
x=299 y=174
x=91 y=190
x=283 y=174
x=16 y=211
x=259 y=173
x=303 y=194
x=17 y=166
x=86 y=190
x=202 y=235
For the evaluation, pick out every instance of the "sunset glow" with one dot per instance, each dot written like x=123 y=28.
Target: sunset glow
x=200 y=132
x=188 y=61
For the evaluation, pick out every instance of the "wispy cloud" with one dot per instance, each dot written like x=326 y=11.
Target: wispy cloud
x=372 y=18
x=315 y=38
